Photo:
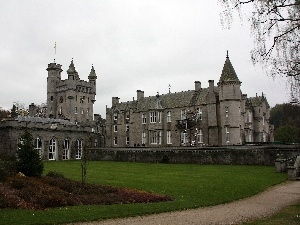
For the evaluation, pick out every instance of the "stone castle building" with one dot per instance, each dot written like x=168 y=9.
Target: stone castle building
x=61 y=129
x=213 y=116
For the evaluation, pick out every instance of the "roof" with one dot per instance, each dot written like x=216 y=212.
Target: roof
x=165 y=101
x=228 y=73
x=258 y=100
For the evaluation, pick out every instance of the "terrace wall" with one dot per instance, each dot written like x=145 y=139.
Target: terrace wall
x=243 y=155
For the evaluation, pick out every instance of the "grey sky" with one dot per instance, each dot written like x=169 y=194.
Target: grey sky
x=133 y=44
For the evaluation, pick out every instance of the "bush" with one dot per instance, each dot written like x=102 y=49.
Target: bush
x=7 y=167
x=55 y=174
x=28 y=158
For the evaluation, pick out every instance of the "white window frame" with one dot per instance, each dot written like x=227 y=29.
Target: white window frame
x=200 y=136
x=169 y=137
x=144 y=118
x=127 y=115
x=127 y=140
x=38 y=145
x=159 y=117
x=155 y=137
x=169 y=117
x=52 y=149
x=115 y=140
x=226 y=111
x=66 y=149
x=184 y=138
x=115 y=116
x=127 y=127
x=144 y=137
x=152 y=116
x=199 y=114
x=227 y=135
x=115 y=128
x=79 y=148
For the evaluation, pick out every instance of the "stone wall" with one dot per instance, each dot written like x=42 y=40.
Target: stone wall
x=245 y=155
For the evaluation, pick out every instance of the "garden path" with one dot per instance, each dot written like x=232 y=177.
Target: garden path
x=261 y=205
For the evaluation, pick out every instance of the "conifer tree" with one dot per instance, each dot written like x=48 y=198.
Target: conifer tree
x=28 y=159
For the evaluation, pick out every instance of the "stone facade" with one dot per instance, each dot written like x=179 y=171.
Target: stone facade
x=60 y=130
x=213 y=116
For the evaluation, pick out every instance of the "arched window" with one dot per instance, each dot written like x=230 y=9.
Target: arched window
x=52 y=149
x=79 y=145
x=38 y=145
x=66 y=149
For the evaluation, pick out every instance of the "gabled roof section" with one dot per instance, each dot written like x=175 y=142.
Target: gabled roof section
x=228 y=73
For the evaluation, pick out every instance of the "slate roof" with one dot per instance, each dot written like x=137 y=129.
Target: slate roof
x=165 y=101
x=257 y=101
x=228 y=73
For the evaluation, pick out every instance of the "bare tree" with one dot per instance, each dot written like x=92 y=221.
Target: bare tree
x=275 y=26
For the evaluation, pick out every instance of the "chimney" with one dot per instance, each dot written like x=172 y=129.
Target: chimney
x=211 y=85
x=115 y=100
x=197 y=85
x=32 y=109
x=140 y=95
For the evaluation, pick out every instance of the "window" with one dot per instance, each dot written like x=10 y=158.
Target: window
x=115 y=128
x=115 y=140
x=263 y=120
x=66 y=149
x=227 y=134
x=226 y=111
x=127 y=127
x=82 y=99
x=264 y=139
x=155 y=137
x=38 y=145
x=82 y=111
x=79 y=149
x=159 y=117
x=115 y=116
x=199 y=114
x=96 y=143
x=87 y=111
x=152 y=117
x=144 y=118
x=127 y=115
x=144 y=140
x=127 y=140
x=52 y=149
x=169 y=116
x=75 y=110
x=200 y=136
x=248 y=117
x=51 y=98
x=60 y=111
x=183 y=114
x=61 y=99
x=169 y=140
x=184 y=139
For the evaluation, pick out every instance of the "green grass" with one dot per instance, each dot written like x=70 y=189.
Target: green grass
x=288 y=216
x=190 y=185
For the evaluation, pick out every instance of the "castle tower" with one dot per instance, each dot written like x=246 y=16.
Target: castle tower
x=230 y=97
x=70 y=99
x=54 y=76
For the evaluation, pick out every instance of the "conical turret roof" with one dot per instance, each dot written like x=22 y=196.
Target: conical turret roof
x=92 y=74
x=228 y=73
x=71 y=68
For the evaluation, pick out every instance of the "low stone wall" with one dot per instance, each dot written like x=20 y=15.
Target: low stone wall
x=243 y=155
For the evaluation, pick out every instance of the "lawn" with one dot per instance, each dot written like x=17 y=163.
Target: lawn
x=191 y=186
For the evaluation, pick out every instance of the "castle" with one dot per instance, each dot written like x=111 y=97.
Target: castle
x=214 y=116
x=68 y=122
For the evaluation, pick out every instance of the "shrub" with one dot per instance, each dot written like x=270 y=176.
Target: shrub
x=28 y=158
x=7 y=168
x=55 y=174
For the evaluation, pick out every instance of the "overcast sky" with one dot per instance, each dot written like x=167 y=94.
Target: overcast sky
x=133 y=45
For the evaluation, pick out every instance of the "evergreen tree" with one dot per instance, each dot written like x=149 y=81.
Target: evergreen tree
x=28 y=159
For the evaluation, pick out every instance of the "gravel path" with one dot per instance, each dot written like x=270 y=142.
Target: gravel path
x=261 y=205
